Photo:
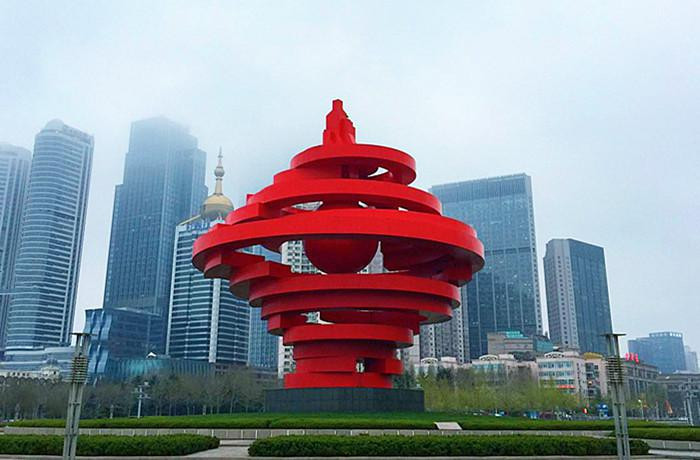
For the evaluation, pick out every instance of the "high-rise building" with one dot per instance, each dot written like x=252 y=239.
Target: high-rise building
x=206 y=322
x=163 y=185
x=504 y=295
x=293 y=254
x=117 y=335
x=578 y=306
x=445 y=340
x=263 y=347
x=665 y=350
x=48 y=262
x=691 y=360
x=14 y=173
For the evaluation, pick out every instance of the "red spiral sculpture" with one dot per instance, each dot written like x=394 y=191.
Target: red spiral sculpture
x=366 y=204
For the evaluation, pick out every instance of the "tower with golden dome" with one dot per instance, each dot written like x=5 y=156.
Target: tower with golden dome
x=205 y=321
x=217 y=205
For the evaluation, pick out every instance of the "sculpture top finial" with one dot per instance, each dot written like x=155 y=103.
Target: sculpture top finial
x=339 y=128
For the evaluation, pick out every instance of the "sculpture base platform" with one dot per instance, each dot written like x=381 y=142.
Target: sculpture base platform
x=344 y=400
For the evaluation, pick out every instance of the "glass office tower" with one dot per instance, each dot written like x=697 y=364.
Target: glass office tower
x=665 y=350
x=504 y=296
x=206 y=322
x=14 y=174
x=263 y=347
x=163 y=185
x=578 y=307
x=118 y=334
x=48 y=262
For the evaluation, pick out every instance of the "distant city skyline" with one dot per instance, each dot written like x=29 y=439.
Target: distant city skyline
x=599 y=106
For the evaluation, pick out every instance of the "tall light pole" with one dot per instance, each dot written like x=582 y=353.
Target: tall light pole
x=687 y=389
x=616 y=380
x=78 y=377
x=141 y=395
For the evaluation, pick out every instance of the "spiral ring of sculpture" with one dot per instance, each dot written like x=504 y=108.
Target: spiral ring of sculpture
x=366 y=203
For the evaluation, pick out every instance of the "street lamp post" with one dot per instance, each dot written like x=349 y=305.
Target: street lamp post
x=140 y=396
x=616 y=379
x=688 y=401
x=78 y=377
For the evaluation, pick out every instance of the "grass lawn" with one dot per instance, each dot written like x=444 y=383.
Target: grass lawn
x=351 y=420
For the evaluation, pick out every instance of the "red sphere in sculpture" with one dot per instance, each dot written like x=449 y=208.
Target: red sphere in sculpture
x=365 y=317
x=340 y=255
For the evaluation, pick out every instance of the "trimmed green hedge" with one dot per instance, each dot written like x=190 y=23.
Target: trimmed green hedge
x=513 y=423
x=105 y=445
x=668 y=434
x=458 y=445
x=423 y=421
x=364 y=422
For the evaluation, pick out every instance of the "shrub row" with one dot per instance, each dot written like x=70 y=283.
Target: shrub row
x=424 y=421
x=105 y=445
x=177 y=421
x=413 y=446
x=512 y=423
x=669 y=434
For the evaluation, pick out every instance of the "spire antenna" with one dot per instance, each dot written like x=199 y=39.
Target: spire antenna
x=217 y=205
x=219 y=173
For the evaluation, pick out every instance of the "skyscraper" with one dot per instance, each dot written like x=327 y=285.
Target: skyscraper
x=504 y=296
x=163 y=185
x=14 y=173
x=293 y=254
x=206 y=322
x=118 y=335
x=665 y=350
x=578 y=307
x=445 y=339
x=48 y=262
x=691 y=360
x=263 y=347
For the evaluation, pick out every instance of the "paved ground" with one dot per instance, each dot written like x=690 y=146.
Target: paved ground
x=674 y=454
x=227 y=449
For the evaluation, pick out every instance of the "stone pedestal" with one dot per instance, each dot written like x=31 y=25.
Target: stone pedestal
x=344 y=400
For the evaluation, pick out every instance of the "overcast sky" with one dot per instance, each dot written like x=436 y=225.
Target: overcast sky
x=598 y=101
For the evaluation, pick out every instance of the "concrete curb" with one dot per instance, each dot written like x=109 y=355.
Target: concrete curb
x=261 y=433
x=58 y=457
x=660 y=444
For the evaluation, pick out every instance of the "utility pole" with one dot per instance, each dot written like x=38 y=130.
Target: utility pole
x=4 y=385
x=688 y=401
x=78 y=377
x=616 y=380
x=140 y=396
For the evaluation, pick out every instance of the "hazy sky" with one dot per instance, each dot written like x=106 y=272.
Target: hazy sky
x=598 y=101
